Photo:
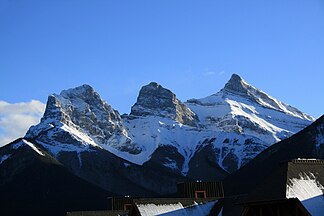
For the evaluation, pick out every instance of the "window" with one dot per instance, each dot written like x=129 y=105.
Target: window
x=127 y=207
x=200 y=194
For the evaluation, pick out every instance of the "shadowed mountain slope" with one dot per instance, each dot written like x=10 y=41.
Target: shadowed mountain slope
x=34 y=183
x=308 y=143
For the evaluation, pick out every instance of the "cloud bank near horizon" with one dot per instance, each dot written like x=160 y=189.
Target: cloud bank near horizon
x=16 y=118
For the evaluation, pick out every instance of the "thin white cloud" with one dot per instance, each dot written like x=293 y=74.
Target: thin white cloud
x=16 y=118
x=221 y=73
x=213 y=73
x=210 y=73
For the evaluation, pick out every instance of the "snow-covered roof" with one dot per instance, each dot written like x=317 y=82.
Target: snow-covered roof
x=309 y=191
x=183 y=207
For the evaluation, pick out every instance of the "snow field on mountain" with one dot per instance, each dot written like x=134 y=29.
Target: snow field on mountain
x=78 y=135
x=224 y=106
x=148 y=133
x=82 y=139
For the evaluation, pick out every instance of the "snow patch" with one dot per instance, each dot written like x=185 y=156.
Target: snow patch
x=172 y=164
x=221 y=212
x=80 y=159
x=127 y=164
x=79 y=135
x=34 y=147
x=4 y=157
x=31 y=145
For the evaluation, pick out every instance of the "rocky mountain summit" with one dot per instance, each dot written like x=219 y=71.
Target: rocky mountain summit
x=154 y=100
x=83 y=109
x=162 y=140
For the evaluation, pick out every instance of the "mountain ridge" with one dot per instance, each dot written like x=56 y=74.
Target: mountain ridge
x=219 y=133
x=32 y=182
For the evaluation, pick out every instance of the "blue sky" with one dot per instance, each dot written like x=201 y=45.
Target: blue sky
x=190 y=47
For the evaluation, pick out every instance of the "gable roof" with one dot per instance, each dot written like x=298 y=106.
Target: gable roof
x=299 y=178
x=177 y=206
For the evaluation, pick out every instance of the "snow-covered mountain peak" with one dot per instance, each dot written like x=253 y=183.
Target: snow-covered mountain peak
x=238 y=90
x=82 y=90
x=239 y=87
x=80 y=100
x=154 y=100
x=242 y=108
x=82 y=96
x=81 y=108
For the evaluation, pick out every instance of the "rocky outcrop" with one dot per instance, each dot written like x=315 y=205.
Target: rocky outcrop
x=154 y=100
x=236 y=85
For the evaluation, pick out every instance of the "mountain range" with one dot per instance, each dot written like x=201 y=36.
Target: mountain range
x=161 y=142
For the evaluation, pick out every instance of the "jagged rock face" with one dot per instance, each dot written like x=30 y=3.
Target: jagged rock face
x=77 y=119
x=155 y=100
x=236 y=84
x=82 y=108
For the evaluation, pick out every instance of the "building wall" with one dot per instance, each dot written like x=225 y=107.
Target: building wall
x=190 y=189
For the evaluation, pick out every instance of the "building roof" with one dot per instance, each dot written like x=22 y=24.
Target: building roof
x=178 y=206
x=97 y=213
x=282 y=207
x=299 y=178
